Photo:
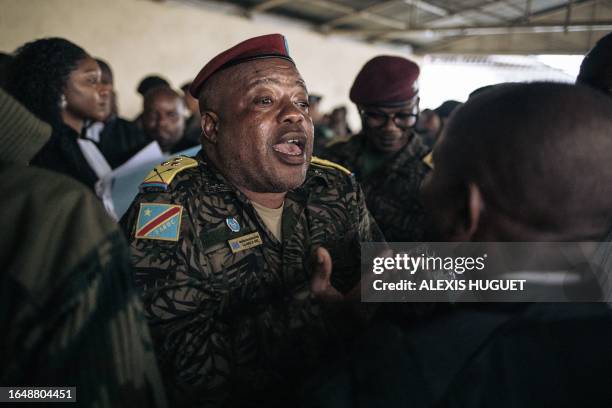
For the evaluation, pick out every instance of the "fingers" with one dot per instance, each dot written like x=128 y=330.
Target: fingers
x=324 y=263
x=321 y=272
x=321 y=285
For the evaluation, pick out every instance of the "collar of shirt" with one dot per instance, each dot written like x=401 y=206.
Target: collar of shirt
x=215 y=182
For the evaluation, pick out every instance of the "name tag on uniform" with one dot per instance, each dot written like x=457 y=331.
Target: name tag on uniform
x=245 y=242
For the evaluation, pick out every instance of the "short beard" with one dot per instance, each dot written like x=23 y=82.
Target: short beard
x=239 y=179
x=263 y=186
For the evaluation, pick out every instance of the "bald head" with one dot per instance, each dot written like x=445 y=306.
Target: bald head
x=537 y=159
x=209 y=94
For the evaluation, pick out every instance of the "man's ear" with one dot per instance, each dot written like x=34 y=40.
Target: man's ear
x=210 y=126
x=467 y=227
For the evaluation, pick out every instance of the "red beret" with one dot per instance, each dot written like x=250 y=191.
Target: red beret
x=265 y=46
x=385 y=80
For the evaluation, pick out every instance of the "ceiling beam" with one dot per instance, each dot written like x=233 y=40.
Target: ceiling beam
x=529 y=17
x=428 y=7
x=365 y=13
x=479 y=8
x=527 y=11
x=351 y=13
x=266 y=5
x=449 y=16
x=568 y=12
x=370 y=13
x=544 y=49
x=456 y=31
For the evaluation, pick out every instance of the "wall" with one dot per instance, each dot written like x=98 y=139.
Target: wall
x=176 y=37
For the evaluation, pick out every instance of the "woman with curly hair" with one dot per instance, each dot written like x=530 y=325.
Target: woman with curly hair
x=60 y=83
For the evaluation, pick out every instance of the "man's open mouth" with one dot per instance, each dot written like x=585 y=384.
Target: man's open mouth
x=292 y=145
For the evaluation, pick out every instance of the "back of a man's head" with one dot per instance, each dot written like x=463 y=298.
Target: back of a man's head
x=596 y=67
x=539 y=156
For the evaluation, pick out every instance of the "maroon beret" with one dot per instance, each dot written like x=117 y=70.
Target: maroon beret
x=265 y=46
x=385 y=80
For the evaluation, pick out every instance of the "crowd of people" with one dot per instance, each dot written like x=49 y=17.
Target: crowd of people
x=233 y=280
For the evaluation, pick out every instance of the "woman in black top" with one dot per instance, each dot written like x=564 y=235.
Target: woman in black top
x=60 y=83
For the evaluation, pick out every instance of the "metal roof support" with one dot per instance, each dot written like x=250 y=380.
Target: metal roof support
x=428 y=7
x=262 y=7
x=527 y=11
x=450 y=15
x=355 y=14
x=266 y=5
x=568 y=13
x=478 y=8
x=532 y=16
x=369 y=13
x=593 y=15
x=489 y=30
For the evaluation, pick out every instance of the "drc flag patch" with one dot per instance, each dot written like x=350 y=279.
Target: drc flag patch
x=159 y=221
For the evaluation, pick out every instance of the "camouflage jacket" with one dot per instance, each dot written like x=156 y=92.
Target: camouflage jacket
x=70 y=315
x=228 y=304
x=392 y=191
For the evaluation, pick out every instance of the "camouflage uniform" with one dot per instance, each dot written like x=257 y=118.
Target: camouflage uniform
x=69 y=315
x=392 y=191
x=244 y=322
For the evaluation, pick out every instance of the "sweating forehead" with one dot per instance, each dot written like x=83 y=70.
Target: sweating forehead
x=269 y=70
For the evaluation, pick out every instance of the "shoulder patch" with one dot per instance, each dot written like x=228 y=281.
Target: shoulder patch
x=159 y=221
x=337 y=140
x=428 y=160
x=326 y=163
x=161 y=176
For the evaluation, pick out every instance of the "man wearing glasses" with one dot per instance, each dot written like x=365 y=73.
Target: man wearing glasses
x=388 y=156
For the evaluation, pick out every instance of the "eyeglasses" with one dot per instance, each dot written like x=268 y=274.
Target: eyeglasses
x=378 y=119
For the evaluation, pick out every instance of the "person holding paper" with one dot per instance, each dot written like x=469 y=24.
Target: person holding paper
x=60 y=83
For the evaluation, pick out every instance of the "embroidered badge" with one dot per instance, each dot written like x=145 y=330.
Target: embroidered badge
x=159 y=221
x=428 y=160
x=233 y=224
x=161 y=176
x=245 y=242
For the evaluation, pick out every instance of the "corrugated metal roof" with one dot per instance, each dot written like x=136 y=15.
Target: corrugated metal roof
x=457 y=26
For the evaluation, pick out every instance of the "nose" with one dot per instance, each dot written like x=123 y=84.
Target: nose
x=104 y=90
x=161 y=123
x=390 y=125
x=292 y=113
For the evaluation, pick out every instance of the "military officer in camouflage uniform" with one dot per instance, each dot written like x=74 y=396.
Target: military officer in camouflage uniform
x=221 y=243
x=388 y=158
